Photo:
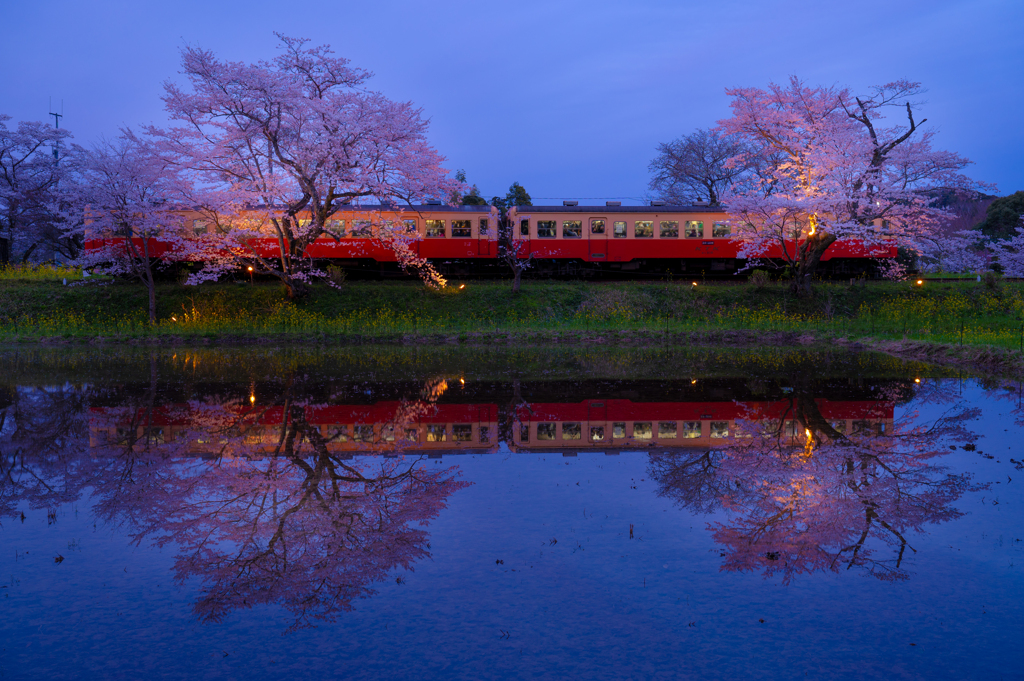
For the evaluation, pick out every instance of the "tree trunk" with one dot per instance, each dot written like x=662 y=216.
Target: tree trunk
x=296 y=288
x=517 y=276
x=807 y=265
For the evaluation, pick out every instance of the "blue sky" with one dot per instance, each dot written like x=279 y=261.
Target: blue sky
x=568 y=98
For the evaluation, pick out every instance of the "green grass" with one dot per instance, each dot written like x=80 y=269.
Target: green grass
x=938 y=312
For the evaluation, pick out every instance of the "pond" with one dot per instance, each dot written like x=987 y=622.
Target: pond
x=507 y=513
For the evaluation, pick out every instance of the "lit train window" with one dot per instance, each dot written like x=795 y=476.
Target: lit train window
x=571 y=431
x=691 y=429
x=596 y=433
x=524 y=227
x=362 y=434
x=597 y=226
x=643 y=229
x=862 y=427
x=642 y=430
x=719 y=429
x=721 y=229
x=340 y=433
x=410 y=226
x=619 y=429
x=667 y=430
x=546 y=229
x=387 y=433
x=694 y=229
x=437 y=434
x=336 y=227
x=545 y=431
x=435 y=228
x=572 y=229
x=485 y=434
x=619 y=230
x=462 y=229
x=524 y=432
x=789 y=429
x=484 y=226
x=839 y=426
x=462 y=432
x=200 y=226
x=669 y=229
x=303 y=223
x=412 y=435
x=361 y=229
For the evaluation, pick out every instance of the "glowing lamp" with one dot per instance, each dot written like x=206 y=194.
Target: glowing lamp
x=917 y=380
x=174 y=319
x=694 y=284
x=920 y=282
x=252 y=399
x=462 y=286
x=250 y=268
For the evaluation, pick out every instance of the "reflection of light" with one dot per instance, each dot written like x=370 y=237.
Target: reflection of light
x=252 y=399
x=250 y=268
x=462 y=381
x=693 y=382
x=807 y=432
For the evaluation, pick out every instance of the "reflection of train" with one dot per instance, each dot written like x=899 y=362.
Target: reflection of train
x=562 y=239
x=389 y=426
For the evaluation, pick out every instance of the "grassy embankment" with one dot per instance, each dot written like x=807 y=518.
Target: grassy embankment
x=967 y=313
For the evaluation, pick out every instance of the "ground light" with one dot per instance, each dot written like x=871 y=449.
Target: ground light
x=250 y=275
x=462 y=286
x=920 y=282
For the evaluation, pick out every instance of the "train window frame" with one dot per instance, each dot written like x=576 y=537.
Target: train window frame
x=412 y=435
x=200 y=227
x=721 y=229
x=524 y=227
x=546 y=432
x=410 y=226
x=719 y=430
x=619 y=229
x=619 y=430
x=485 y=435
x=360 y=433
x=437 y=428
x=524 y=432
x=462 y=432
x=387 y=433
x=464 y=227
x=335 y=228
x=547 y=229
x=694 y=229
x=594 y=226
x=596 y=433
x=572 y=229
x=668 y=430
x=572 y=430
x=483 y=226
x=692 y=430
x=362 y=229
x=643 y=430
x=643 y=229
x=669 y=229
x=436 y=229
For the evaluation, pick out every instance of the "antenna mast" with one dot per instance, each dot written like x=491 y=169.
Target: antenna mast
x=56 y=125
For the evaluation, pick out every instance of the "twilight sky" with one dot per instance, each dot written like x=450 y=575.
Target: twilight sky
x=569 y=98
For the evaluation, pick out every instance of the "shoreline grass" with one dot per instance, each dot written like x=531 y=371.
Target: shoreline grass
x=962 y=313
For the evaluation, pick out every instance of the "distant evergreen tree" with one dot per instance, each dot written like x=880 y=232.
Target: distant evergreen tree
x=1003 y=216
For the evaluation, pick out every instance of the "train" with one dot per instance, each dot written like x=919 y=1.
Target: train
x=570 y=240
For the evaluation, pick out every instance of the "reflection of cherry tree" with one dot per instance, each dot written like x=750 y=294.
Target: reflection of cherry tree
x=799 y=495
x=296 y=524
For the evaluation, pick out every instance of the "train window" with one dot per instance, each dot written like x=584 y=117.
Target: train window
x=336 y=227
x=485 y=434
x=596 y=433
x=524 y=227
x=524 y=432
x=340 y=433
x=667 y=430
x=484 y=225
x=435 y=228
x=200 y=226
x=303 y=223
x=545 y=431
x=387 y=433
x=619 y=230
x=694 y=229
x=361 y=229
x=571 y=431
x=669 y=229
x=437 y=434
x=643 y=229
x=462 y=432
x=546 y=229
x=462 y=229
x=721 y=229
x=409 y=226
x=719 y=429
x=597 y=226
x=839 y=426
x=691 y=429
x=862 y=427
x=619 y=429
x=362 y=434
x=642 y=430
x=412 y=435
x=572 y=229
x=789 y=428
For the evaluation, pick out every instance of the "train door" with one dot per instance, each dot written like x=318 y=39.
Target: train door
x=483 y=237
x=599 y=239
x=485 y=434
x=597 y=431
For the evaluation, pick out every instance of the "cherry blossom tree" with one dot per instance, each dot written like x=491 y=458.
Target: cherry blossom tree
x=132 y=197
x=283 y=145
x=832 y=167
x=1009 y=252
x=30 y=173
x=960 y=252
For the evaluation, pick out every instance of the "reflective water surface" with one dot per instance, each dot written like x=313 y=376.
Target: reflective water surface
x=533 y=513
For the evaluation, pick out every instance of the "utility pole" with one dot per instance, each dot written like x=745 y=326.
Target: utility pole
x=56 y=125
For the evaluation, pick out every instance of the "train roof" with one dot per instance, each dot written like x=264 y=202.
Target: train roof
x=622 y=209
